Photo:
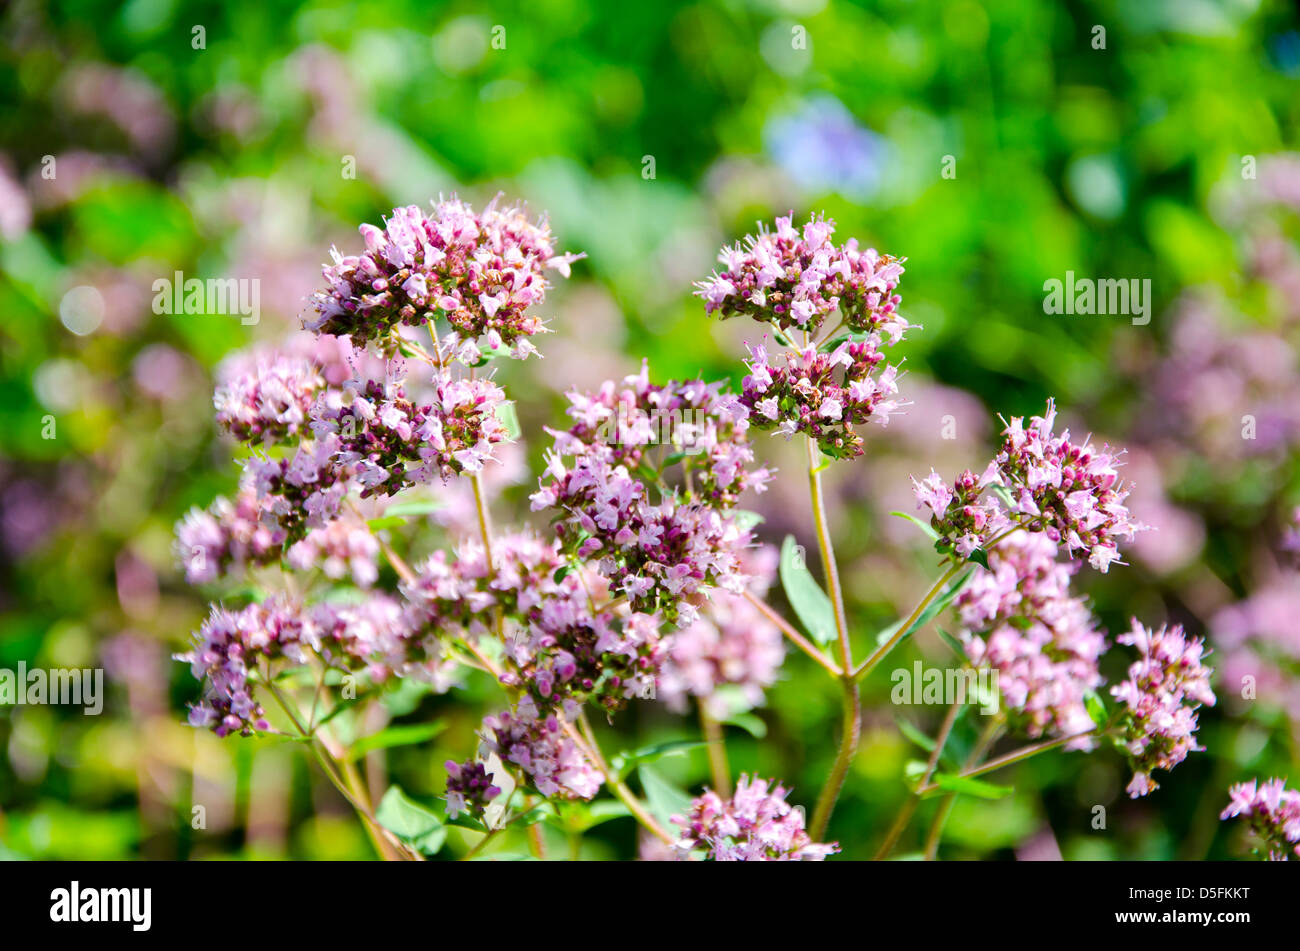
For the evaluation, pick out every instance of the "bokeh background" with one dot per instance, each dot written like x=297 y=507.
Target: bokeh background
x=652 y=133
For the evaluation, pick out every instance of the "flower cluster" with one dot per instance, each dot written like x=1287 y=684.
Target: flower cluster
x=469 y=788
x=796 y=279
x=563 y=651
x=460 y=596
x=538 y=745
x=963 y=519
x=1273 y=813
x=380 y=636
x=1043 y=642
x=696 y=422
x=1068 y=491
x=373 y=635
x=1161 y=694
x=731 y=654
x=343 y=546
x=822 y=394
x=754 y=825
x=227 y=538
x=570 y=654
x=227 y=648
x=1073 y=488
x=657 y=554
x=392 y=444
x=268 y=402
x=482 y=271
x=303 y=492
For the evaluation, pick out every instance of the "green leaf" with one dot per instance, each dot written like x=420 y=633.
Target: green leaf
x=805 y=594
x=581 y=816
x=509 y=419
x=663 y=798
x=980 y=557
x=1096 y=707
x=913 y=733
x=751 y=723
x=411 y=822
x=923 y=526
x=625 y=761
x=931 y=611
x=413 y=507
x=955 y=645
x=464 y=821
x=951 y=782
x=539 y=813
x=402 y=735
x=746 y=520
x=1004 y=494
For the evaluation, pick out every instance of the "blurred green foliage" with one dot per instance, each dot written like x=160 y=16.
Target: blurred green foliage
x=232 y=159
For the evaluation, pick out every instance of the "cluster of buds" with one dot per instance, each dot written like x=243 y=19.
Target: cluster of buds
x=962 y=517
x=1068 y=491
x=754 y=825
x=822 y=394
x=658 y=555
x=537 y=743
x=797 y=279
x=481 y=271
x=1273 y=814
x=391 y=443
x=469 y=788
x=268 y=402
x=1161 y=694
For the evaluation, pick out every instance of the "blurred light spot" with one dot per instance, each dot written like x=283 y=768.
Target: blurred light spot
x=460 y=46
x=1095 y=184
x=778 y=46
x=145 y=17
x=58 y=384
x=82 y=310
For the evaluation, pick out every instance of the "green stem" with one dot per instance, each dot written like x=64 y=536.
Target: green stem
x=910 y=804
x=828 y=558
x=1018 y=755
x=589 y=746
x=945 y=807
x=717 y=746
x=851 y=729
x=793 y=634
x=870 y=663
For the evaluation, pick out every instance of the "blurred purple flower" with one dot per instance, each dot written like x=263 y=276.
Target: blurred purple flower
x=824 y=148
